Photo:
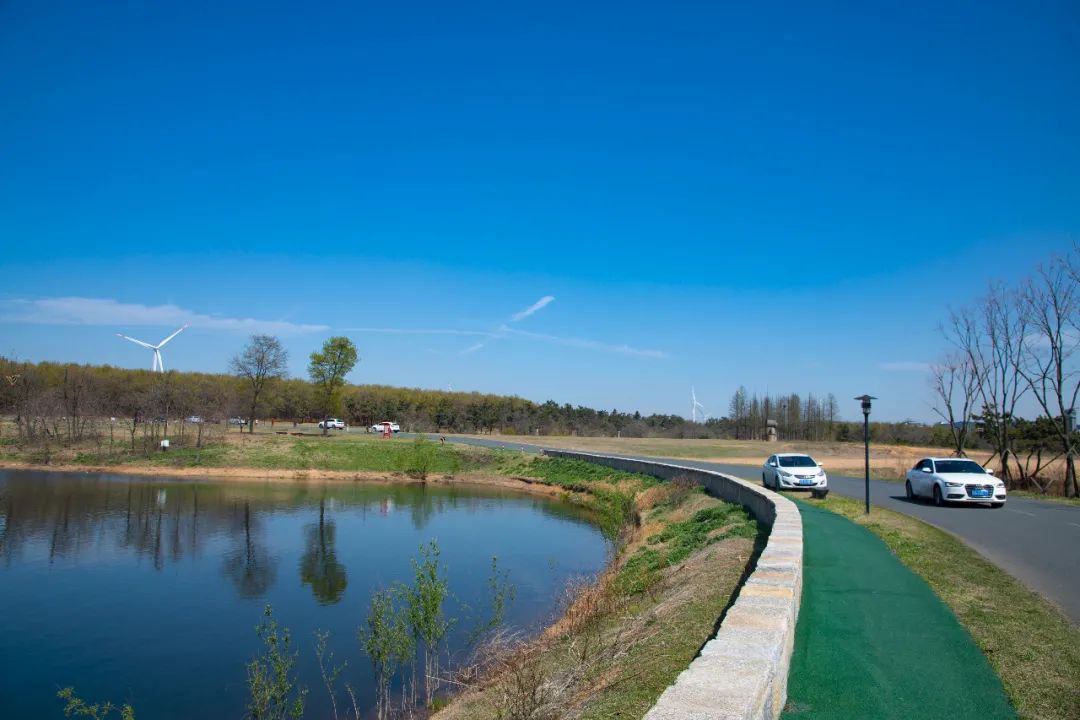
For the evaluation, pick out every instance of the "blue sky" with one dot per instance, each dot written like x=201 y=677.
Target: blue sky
x=776 y=195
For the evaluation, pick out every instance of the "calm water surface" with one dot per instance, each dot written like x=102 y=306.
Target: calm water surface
x=147 y=590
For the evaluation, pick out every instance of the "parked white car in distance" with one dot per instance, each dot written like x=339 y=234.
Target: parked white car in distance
x=332 y=423
x=378 y=427
x=954 y=480
x=793 y=471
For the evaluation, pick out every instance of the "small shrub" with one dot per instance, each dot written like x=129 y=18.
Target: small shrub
x=76 y=707
x=39 y=456
x=271 y=679
x=421 y=458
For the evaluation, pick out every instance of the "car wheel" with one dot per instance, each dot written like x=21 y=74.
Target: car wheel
x=938 y=500
x=908 y=491
x=997 y=505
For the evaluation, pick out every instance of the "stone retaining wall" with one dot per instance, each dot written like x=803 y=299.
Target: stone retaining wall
x=741 y=674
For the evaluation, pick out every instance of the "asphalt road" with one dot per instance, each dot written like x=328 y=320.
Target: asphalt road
x=1034 y=541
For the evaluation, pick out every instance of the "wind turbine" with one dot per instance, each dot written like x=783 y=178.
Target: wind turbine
x=695 y=406
x=158 y=365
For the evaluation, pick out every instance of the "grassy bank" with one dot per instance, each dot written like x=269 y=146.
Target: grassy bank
x=1029 y=643
x=622 y=640
x=338 y=452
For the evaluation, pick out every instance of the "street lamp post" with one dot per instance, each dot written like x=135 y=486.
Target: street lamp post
x=865 y=400
x=1070 y=428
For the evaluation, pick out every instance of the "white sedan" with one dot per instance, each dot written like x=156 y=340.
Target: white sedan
x=793 y=471
x=954 y=480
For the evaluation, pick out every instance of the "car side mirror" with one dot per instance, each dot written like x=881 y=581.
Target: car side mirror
x=821 y=466
x=926 y=470
x=989 y=471
x=772 y=464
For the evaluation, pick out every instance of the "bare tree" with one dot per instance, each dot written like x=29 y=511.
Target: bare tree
x=956 y=384
x=992 y=339
x=1051 y=302
x=262 y=360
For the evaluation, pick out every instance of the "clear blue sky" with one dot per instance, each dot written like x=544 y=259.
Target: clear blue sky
x=783 y=195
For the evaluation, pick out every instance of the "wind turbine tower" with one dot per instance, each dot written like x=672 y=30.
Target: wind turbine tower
x=695 y=406
x=158 y=365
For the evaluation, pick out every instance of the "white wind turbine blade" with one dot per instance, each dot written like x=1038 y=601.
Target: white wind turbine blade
x=172 y=336
x=695 y=406
x=137 y=342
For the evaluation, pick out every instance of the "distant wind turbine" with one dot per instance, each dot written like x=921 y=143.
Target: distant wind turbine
x=695 y=406
x=158 y=365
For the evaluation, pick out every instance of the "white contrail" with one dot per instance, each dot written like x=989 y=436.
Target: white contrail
x=533 y=309
x=472 y=348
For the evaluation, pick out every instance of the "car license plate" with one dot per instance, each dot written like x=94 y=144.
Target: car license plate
x=806 y=482
x=980 y=493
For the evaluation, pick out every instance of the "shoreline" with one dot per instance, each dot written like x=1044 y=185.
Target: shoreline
x=252 y=475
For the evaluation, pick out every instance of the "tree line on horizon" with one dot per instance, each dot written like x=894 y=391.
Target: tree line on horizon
x=66 y=402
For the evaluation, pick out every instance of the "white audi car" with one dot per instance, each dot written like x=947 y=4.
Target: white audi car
x=793 y=471
x=954 y=480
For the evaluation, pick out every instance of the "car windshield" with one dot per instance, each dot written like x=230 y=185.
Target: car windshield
x=796 y=461
x=958 y=466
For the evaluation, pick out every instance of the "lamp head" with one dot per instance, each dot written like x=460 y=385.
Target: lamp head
x=865 y=400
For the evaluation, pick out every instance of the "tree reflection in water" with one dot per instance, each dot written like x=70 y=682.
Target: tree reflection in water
x=251 y=568
x=319 y=566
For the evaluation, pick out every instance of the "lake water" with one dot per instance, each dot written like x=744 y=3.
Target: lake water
x=147 y=590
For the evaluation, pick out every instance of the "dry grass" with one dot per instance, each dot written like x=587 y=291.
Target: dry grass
x=841 y=457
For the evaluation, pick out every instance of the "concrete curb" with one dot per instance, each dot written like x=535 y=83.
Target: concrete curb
x=741 y=674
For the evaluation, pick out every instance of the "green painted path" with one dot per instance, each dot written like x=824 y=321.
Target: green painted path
x=873 y=641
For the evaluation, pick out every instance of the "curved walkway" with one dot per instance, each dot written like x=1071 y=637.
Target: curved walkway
x=873 y=641
x=1024 y=538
